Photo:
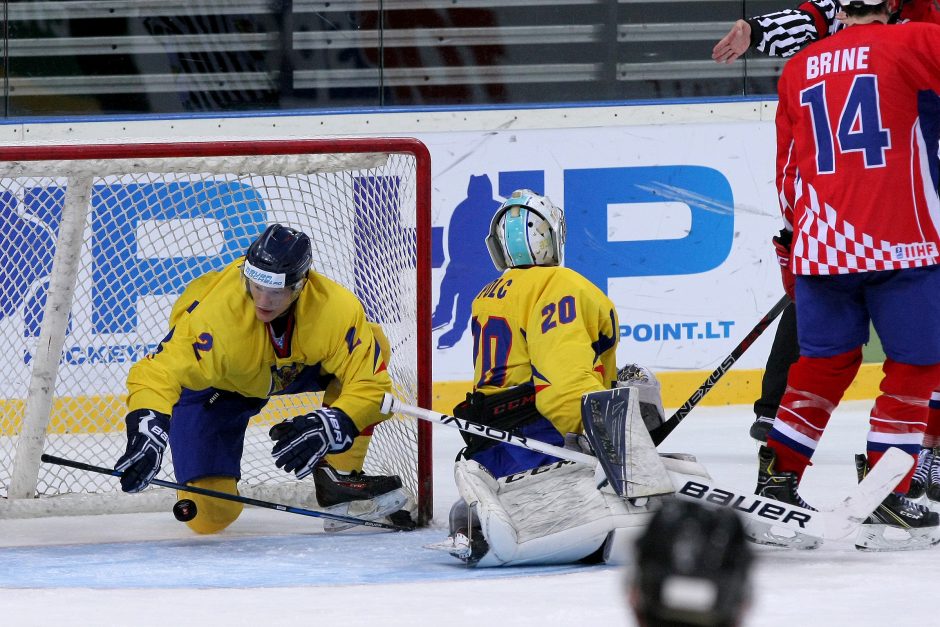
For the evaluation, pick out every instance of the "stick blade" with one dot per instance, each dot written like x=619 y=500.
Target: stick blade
x=880 y=481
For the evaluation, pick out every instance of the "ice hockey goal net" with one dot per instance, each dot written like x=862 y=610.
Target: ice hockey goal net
x=97 y=243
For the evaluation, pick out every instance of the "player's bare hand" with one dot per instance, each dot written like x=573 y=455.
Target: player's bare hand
x=734 y=44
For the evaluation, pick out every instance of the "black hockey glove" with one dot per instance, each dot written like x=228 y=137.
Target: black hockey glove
x=782 y=243
x=302 y=441
x=148 y=433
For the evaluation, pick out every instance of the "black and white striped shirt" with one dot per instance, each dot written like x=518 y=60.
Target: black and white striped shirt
x=784 y=33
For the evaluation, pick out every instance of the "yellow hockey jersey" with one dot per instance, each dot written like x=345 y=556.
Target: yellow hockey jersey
x=216 y=341
x=548 y=326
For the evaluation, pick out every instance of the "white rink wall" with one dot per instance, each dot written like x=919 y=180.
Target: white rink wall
x=670 y=208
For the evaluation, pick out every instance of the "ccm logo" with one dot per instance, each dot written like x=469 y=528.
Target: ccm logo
x=514 y=404
x=536 y=471
x=771 y=510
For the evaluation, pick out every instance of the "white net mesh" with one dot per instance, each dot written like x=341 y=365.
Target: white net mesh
x=151 y=227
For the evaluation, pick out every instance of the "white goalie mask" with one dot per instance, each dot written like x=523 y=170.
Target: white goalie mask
x=527 y=230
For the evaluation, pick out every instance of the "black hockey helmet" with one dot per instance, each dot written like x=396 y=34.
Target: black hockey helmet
x=692 y=567
x=280 y=257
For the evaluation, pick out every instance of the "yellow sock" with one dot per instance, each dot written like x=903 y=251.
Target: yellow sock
x=212 y=514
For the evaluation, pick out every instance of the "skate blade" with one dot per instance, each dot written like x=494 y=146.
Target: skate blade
x=367 y=509
x=886 y=538
x=763 y=533
x=457 y=546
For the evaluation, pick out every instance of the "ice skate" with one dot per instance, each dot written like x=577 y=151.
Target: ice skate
x=779 y=486
x=370 y=497
x=921 y=479
x=898 y=524
x=468 y=548
x=933 y=477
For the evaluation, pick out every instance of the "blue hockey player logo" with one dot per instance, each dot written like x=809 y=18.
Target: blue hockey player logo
x=27 y=250
x=468 y=268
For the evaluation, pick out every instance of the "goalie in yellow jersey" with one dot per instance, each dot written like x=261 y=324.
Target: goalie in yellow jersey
x=544 y=336
x=264 y=325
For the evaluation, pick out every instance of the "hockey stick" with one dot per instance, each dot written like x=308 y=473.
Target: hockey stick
x=392 y=405
x=760 y=513
x=52 y=459
x=662 y=431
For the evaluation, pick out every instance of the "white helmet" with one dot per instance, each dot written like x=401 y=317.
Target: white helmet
x=527 y=230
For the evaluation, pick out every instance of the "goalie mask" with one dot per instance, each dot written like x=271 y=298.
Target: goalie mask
x=280 y=258
x=527 y=230
x=692 y=566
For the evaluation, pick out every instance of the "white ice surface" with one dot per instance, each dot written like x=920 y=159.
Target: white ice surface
x=275 y=568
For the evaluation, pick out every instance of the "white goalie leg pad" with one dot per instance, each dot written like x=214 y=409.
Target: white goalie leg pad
x=684 y=464
x=627 y=457
x=549 y=515
x=618 y=549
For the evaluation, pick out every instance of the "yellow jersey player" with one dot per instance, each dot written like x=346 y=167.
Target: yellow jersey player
x=265 y=325
x=540 y=331
x=544 y=336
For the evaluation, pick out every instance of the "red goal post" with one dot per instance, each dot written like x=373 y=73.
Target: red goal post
x=100 y=239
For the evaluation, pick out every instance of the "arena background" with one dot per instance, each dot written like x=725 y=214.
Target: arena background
x=662 y=158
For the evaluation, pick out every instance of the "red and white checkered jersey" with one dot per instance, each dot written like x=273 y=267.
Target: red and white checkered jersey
x=858 y=125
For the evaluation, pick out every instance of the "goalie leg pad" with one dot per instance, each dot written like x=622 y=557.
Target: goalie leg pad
x=624 y=448
x=549 y=515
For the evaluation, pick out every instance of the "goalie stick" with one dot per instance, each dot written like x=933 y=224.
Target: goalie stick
x=805 y=528
x=52 y=459
x=662 y=431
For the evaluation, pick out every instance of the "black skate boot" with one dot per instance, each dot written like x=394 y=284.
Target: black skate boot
x=933 y=482
x=921 y=478
x=360 y=495
x=761 y=428
x=897 y=524
x=779 y=486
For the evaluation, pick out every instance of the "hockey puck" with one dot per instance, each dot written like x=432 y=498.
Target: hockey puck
x=184 y=510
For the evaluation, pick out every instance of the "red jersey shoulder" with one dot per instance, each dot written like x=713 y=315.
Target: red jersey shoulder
x=921 y=11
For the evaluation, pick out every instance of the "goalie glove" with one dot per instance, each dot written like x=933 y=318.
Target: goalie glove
x=302 y=441
x=635 y=373
x=148 y=433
